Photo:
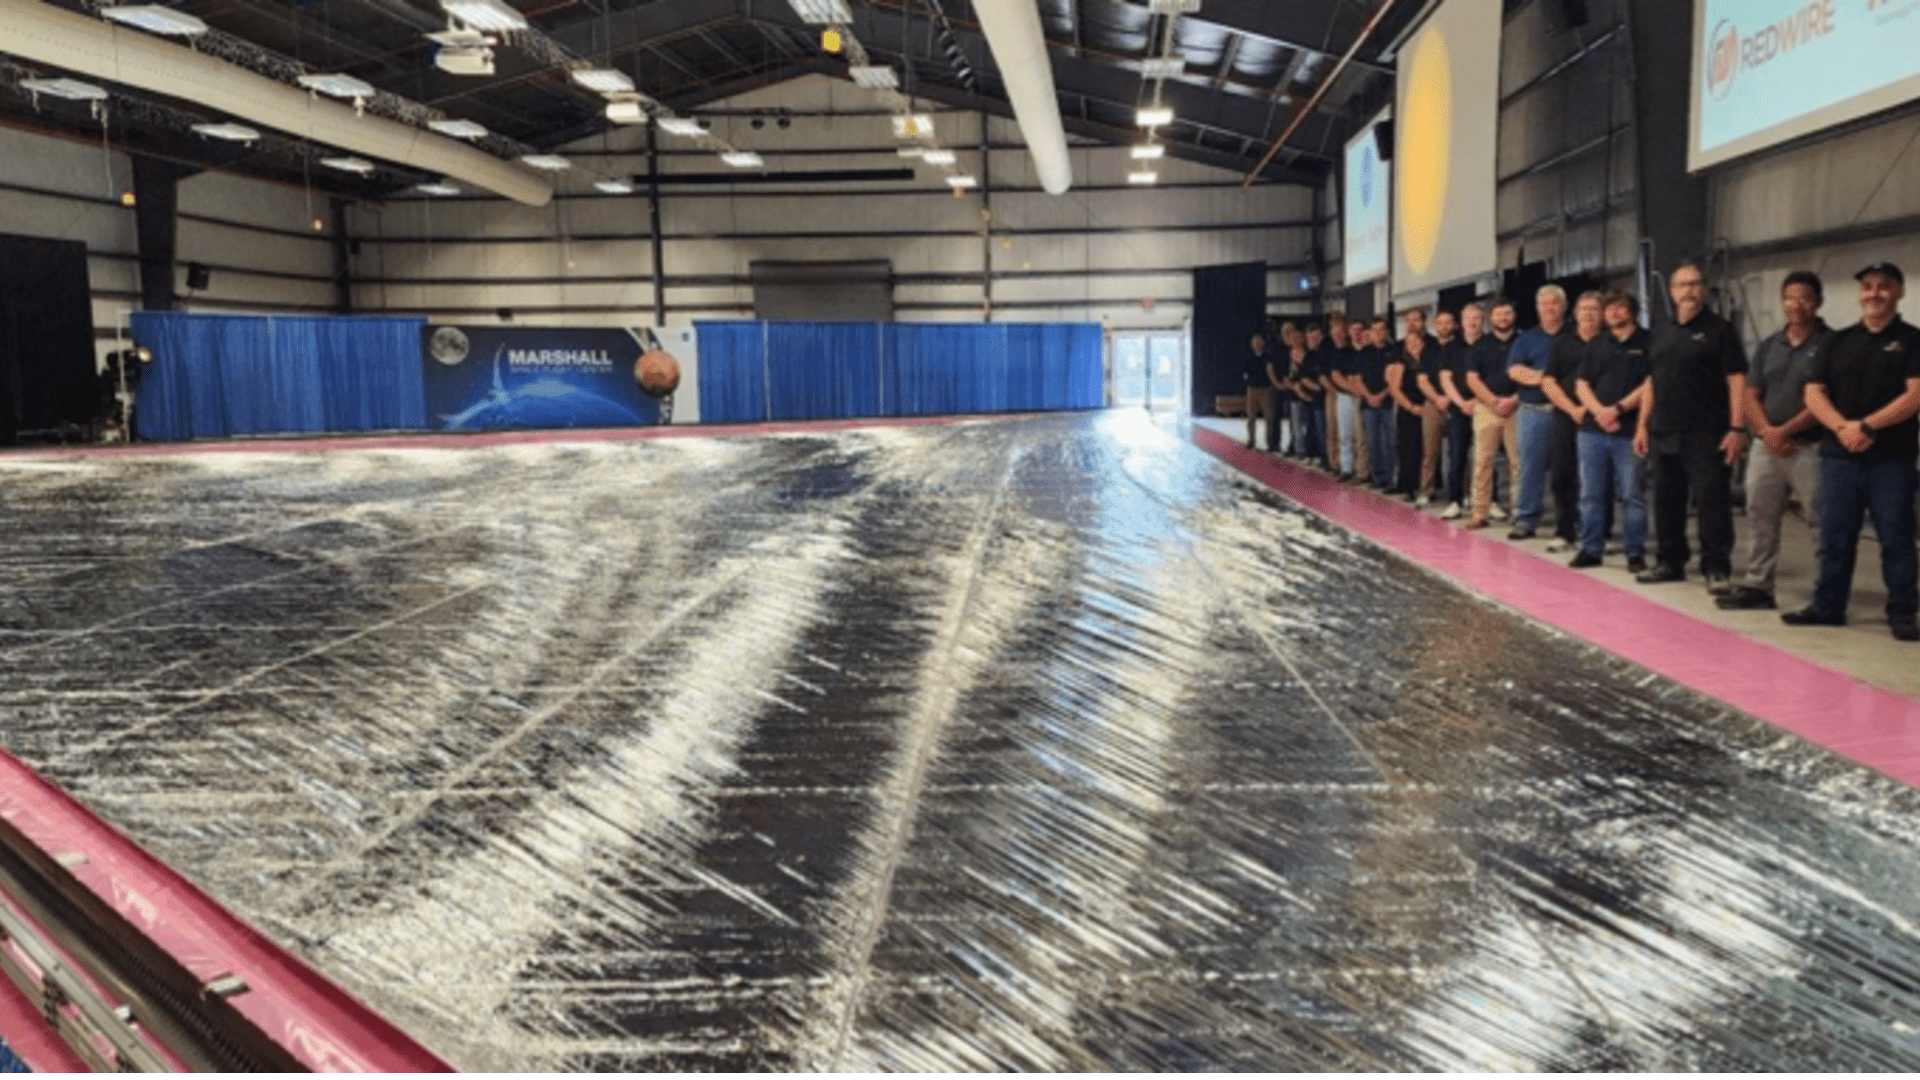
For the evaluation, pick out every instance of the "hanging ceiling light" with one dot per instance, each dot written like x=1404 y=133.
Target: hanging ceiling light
x=912 y=126
x=626 y=110
x=340 y=86
x=613 y=187
x=1155 y=116
x=1149 y=151
x=938 y=157
x=603 y=80
x=1172 y=7
x=155 y=19
x=742 y=159
x=438 y=187
x=874 y=76
x=680 y=125
x=71 y=89
x=459 y=129
x=911 y=151
x=547 y=162
x=1163 y=67
x=822 y=11
x=349 y=164
x=962 y=180
x=485 y=14
x=1143 y=178
x=239 y=133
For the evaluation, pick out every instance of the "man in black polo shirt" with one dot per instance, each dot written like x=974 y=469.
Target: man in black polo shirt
x=1785 y=458
x=1613 y=385
x=1559 y=385
x=1865 y=390
x=1697 y=425
x=1461 y=405
x=1376 y=404
x=1494 y=424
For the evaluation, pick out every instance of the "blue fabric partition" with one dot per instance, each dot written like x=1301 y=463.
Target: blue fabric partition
x=215 y=376
x=789 y=371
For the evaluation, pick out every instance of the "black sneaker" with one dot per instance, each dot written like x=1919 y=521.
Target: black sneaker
x=1660 y=575
x=1637 y=565
x=1584 y=561
x=1905 y=629
x=1746 y=598
x=1810 y=617
x=1521 y=533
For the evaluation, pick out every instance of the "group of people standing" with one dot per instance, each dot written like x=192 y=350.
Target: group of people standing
x=1591 y=408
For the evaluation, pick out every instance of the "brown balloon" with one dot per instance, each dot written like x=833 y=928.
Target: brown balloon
x=657 y=372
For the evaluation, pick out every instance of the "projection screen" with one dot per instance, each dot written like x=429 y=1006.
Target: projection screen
x=1368 y=215
x=1767 y=71
x=1447 y=113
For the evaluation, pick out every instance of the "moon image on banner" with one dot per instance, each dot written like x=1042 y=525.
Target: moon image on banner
x=1425 y=134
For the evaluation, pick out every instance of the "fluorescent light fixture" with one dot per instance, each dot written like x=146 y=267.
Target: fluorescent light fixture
x=1172 y=7
x=438 y=187
x=912 y=126
x=911 y=151
x=613 y=187
x=1155 y=115
x=340 y=86
x=626 y=111
x=962 y=181
x=463 y=60
x=239 y=133
x=1149 y=151
x=485 y=14
x=681 y=125
x=71 y=89
x=742 y=159
x=938 y=157
x=459 y=129
x=1143 y=178
x=349 y=164
x=548 y=162
x=603 y=80
x=461 y=38
x=822 y=12
x=155 y=19
x=1163 y=67
x=874 y=76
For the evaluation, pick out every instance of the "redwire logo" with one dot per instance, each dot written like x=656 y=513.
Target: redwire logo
x=1728 y=53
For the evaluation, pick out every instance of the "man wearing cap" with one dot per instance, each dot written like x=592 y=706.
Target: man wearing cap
x=1865 y=390
x=1785 y=459
x=1697 y=424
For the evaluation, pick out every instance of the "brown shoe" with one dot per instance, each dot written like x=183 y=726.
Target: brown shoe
x=1475 y=523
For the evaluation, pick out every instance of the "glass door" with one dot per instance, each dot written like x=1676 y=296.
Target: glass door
x=1150 y=370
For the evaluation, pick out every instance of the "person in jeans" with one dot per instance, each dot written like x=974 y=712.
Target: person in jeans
x=1785 y=459
x=1494 y=427
x=1319 y=395
x=1433 y=423
x=1528 y=361
x=1409 y=411
x=1569 y=353
x=1614 y=384
x=1453 y=380
x=1376 y=404
x=1865 y=390
x=1697 y=422
x=1333 y=379
x=1300 y=383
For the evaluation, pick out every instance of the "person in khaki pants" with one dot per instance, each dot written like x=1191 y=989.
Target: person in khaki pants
x=1495 y=423
x=1433 y=423
x=1333 y=368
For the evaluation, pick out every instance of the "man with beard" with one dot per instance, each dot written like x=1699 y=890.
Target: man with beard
x=1569 y=352
x=1453 y=380
x=1494 y=426
x=1614 y=384
x=1528 y=362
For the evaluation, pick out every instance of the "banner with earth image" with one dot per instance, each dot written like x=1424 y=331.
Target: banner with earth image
x=481 y=378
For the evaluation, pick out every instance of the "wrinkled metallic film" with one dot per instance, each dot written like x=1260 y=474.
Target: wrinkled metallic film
x=1029 y=744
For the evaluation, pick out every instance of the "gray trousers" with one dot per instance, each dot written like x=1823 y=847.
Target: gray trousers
x=1770 y=480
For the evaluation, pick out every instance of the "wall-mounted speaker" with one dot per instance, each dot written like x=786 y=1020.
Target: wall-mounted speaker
x=1383 y=139
x=199 y=276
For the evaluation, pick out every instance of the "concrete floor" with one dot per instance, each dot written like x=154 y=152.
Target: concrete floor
x=1863 y=649
x=1045 y=743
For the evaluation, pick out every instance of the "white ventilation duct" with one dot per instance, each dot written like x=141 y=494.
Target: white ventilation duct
x=45 y=34
x=1020 y=50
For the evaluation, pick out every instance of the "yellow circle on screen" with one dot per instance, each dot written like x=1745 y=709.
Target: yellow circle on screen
x=1426 y=147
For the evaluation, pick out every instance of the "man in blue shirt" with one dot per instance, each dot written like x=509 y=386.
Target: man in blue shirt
x=1494 y=428
x=1531 y=356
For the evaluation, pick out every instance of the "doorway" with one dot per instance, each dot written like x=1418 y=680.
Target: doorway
x=1151 y=370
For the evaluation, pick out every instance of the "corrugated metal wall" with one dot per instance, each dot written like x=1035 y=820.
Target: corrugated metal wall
x=1098 y=252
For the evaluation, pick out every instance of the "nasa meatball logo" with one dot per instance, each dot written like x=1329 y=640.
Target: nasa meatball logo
x=448 y=345
x=1723 y=59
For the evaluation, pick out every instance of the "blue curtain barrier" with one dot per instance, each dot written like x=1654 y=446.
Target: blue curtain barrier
x=215 y=376
x=755 y=371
